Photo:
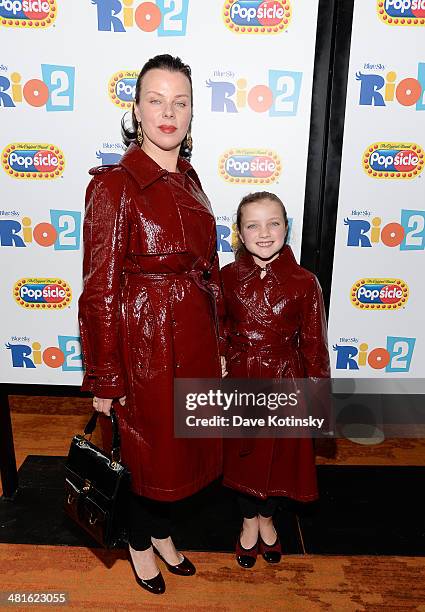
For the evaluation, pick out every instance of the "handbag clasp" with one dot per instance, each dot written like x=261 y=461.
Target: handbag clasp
x=92 y=520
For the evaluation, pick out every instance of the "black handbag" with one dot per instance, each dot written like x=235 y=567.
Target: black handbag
x=97 y=487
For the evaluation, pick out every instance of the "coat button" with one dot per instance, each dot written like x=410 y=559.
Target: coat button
x=177 y=365
x=206 y=274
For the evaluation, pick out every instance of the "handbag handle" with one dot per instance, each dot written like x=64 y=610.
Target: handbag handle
x=116 y=441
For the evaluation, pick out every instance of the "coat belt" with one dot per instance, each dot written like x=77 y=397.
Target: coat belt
x=263 y=350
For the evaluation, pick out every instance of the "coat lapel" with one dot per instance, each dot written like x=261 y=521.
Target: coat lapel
x=250 y=292
x=258 y=295
x=146 y=171
x=279 y=272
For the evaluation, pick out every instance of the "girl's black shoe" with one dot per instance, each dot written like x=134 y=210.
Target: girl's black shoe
x=246 y=557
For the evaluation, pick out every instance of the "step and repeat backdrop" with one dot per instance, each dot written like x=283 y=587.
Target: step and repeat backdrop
x=67 y=76
x=376 y=323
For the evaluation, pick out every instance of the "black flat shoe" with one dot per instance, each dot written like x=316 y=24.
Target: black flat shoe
x=246 y=557
x=184 y=568
x=271 y=553
x=155 y=585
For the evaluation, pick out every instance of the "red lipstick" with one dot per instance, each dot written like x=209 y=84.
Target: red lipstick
x=167 y=129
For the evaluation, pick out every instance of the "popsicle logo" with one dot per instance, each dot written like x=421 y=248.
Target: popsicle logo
x=55 y=90
x=62 y=232
x=241 y=166
x=402 y=12
x=66 y=354
x=42 y=293
x=395 y=356
x=378 y=90
x=37 y=14
x=379 y=293
x=29 y=160
x=122 y=88
x=167 y=18
x=257 y=16
x=408 y=234
x=393 y=160
x=280 y=97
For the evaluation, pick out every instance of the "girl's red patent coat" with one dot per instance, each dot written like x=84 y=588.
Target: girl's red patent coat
x=147 y=313
x=276 y=329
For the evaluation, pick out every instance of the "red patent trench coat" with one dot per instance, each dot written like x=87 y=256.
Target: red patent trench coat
x=276 y=329
x=146 y=314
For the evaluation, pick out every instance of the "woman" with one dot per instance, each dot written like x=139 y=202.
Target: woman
x=148 y=308
x=276 y=329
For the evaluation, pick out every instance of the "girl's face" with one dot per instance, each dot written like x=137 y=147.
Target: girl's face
x=164 y=109
x=263 y=230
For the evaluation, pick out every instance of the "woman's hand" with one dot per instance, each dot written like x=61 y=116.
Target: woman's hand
x=224 y=372
x=101 y=404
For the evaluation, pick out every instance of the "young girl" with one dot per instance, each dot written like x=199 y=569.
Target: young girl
x=276 y=328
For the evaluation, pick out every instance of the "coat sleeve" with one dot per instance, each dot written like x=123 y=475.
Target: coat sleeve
x=313 y=333
x=105 y=236
x=314 y=348
x=216 y=284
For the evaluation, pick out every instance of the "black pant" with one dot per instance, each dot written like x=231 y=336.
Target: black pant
x=147 y=518
x=250 y=506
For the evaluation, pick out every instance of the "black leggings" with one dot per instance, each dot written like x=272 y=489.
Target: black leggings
x=250 y=506
x=147 y=518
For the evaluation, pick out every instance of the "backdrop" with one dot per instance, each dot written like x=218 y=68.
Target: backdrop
x=67 y=75
x=376 y=319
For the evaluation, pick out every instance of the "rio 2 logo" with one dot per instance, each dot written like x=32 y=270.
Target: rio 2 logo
x=408 y=234
x=66 y=355
x=55 y=90
x=280 y=97
x=167 y=17
x=375 y=90
x=395 y=357
x=63 y=231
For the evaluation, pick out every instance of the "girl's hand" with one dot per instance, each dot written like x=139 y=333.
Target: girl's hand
x=103 y=405
x=224 y=372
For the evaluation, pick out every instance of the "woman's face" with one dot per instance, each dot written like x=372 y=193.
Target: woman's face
x=164 y=109
x=263 y=230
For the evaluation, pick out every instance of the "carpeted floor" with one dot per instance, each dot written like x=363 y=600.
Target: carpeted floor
x=99 y=580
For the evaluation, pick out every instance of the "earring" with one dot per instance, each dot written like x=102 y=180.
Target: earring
x=189 y=141
x=139 y=134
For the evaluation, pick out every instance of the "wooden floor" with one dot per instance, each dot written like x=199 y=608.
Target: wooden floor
x=101 y=580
